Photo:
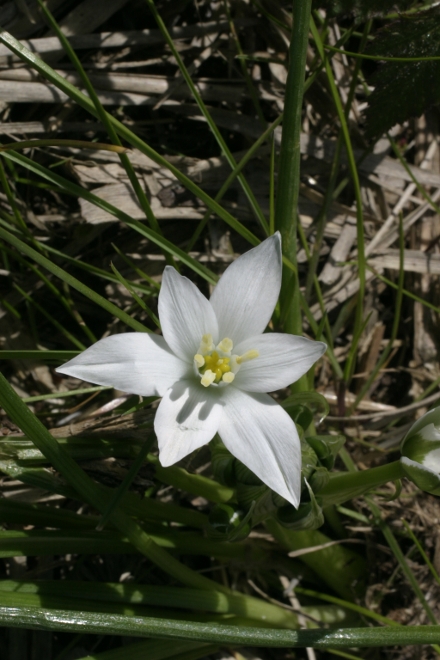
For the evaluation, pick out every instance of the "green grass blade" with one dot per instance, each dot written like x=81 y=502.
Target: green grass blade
x=396 y=322
x=418 y=185
x=204 y=110
x=76 y=95
x=125 y=485
x=63 y=395
x=58 y=326
x=145 y=509
x=71 y=281
x=395 y=547
x=77 y=191
x=54 y=142
x=11 y=199
x=133 y=293
x=425 y=557
x=359 y=205
x=102 y=115
x=135 y=626
x=266 y=135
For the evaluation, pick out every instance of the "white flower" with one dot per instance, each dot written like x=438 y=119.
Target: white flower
x=213 y=367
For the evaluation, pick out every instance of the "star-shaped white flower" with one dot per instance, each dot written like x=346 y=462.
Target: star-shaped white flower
x=213 y=367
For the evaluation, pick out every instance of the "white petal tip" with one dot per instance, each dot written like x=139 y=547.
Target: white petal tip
x=322 y=347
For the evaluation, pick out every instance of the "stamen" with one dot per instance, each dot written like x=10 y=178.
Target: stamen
x=199 y=360
x=206 y=345
x=249 y=355
x=216 y=365
x=225 y=346
x=208 y=378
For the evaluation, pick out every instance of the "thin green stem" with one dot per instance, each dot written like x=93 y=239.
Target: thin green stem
x=381 y=58
x=249 y=82
x=123 y=488
x=407 y=168
x=10 y=197
x=76 y=342
x=63 y=395
x=266 y=135
x=54 y=142
x=286 y=208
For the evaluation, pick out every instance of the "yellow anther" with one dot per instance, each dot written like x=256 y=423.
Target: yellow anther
x=225 y=345
x=249 y=355
x=208 y=378
x=215 y=364
x=199 y=360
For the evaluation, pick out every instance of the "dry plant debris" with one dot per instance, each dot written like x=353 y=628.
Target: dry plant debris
x=136 y=77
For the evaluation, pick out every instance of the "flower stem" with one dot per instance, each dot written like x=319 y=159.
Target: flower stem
x=192 y=483
x=339 y=567
x=286 y=213
x=345 y=486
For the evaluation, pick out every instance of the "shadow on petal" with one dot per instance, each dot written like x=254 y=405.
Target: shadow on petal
x=187 y=418
x=194 y=396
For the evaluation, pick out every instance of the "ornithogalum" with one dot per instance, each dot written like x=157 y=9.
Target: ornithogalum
x=420 y=449
x=213 y=368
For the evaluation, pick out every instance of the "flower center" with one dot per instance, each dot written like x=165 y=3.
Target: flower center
x=215 y=364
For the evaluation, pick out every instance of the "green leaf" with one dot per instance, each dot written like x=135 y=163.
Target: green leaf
x=319 y=479
x=222 y=462
x=404 y=90
x=314 y=401
x=309 y=461
x=307 y=516
x=326 y=447
x=229 y=523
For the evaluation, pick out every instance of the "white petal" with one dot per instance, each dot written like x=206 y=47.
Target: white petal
x=247 y=293
x=188 y=417
x=185 y=314
x=134 y=362
x=282 y=360
x=258 y=432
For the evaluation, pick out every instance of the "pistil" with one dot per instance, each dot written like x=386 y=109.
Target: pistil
x=215 y=364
